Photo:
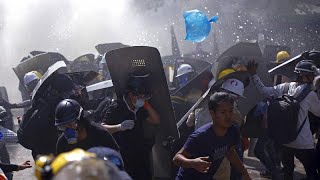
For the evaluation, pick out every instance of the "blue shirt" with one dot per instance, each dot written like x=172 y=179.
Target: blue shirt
x=204 y=142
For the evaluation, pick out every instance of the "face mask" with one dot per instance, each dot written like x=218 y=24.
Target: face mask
x=139 y=103
x=71 y=135
x=183 y=80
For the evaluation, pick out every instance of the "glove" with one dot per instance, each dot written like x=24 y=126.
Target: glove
x=126 y=125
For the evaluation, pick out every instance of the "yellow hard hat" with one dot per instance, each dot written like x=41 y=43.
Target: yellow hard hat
x=39 y=75
x=225 y=72
x=281 y=56
x=49 y=166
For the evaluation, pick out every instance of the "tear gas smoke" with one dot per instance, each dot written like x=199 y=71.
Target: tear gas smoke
x=74 y=27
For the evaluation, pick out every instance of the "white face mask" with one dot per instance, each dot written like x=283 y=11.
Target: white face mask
x=139 y=103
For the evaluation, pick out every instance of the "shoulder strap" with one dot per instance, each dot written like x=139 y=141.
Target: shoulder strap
x=286 y=88
x=304 y=93
x=300 y=128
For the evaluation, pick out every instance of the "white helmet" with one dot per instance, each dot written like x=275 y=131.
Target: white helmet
x=234 y=85
x=184 y=69
x=31 y=76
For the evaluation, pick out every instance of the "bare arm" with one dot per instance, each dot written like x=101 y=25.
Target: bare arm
x=236 y=162
x=183 y=159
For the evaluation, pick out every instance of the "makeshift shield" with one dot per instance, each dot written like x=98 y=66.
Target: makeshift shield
x=40 y=62
x=122 y=62
x=84 y=63
x=83 y=78
x=104 y=48
x=100 y=89
x=58 y=66
x=240 y=53
x=198 y=66
x=287 y=68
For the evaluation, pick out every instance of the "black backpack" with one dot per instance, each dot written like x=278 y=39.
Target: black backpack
x=35 y=129
x=283 y=116
x=253 y=125
x=24 y=133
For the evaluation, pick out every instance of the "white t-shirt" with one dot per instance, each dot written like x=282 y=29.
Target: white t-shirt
x=311 y=103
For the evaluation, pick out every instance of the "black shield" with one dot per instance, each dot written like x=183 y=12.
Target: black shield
x=122 y=62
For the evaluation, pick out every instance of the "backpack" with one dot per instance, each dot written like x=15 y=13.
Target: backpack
x=253 y=126
x=23 y=133
x=283 y=116
x=35 y=128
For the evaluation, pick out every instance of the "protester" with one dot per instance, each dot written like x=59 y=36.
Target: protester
x=126 y=118
x=303 y=147
x=78 y=130
x=199 y=159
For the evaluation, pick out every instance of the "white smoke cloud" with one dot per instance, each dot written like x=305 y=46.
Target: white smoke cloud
x=74 y=27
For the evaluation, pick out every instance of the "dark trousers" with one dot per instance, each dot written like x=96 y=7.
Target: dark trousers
x=137 y=164
x=265 y=152
x=305 y=156
x=318 y=156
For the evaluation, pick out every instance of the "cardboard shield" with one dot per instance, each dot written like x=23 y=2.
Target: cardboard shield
x=287 y=68
x=58 y=66
x=121 y=62
x=40 y=62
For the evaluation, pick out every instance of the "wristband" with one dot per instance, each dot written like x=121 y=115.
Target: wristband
x=146 y=105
